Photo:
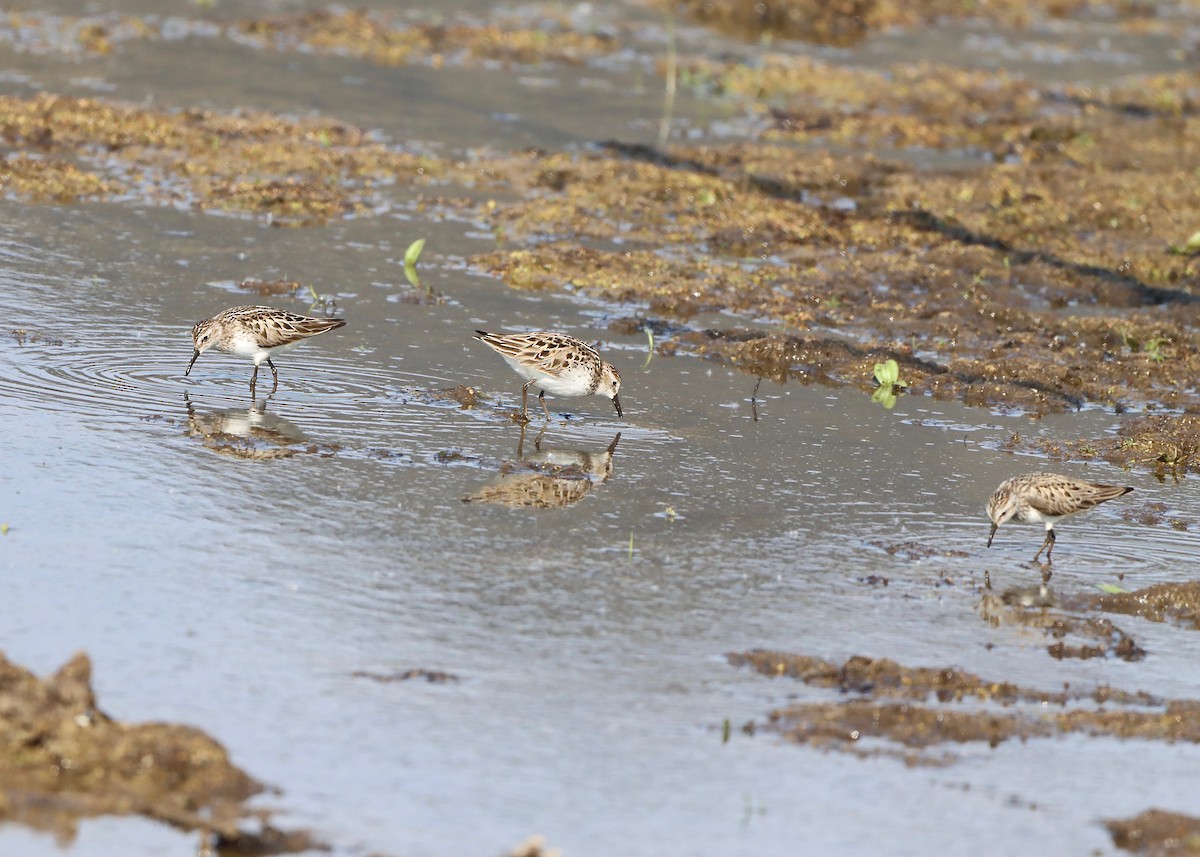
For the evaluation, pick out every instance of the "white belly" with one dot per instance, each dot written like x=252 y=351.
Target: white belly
x=247 y=346
x=576 y=381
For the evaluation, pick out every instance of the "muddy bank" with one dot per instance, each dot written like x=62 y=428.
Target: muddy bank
x=63 y=759
x=847 y=22
x=917 y=712
x=1157 y=833
x=1177 y=603
x=1165 y=444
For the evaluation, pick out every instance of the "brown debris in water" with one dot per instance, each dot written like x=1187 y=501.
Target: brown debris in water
x=913 y=551
x=63 y=759
x=909 y=707
x=1157 y=833
x=431 y=676
x=272 y=288
x=466 y=397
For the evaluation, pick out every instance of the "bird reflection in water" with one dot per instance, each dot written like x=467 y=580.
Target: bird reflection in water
x=250 y=433
x=547 y=478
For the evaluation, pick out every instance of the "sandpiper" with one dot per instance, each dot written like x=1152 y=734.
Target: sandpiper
x=555 y=363
x=256 y=332
x=1045 y=498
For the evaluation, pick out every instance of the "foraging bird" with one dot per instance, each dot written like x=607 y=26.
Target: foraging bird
x=555 y=363
x=1045 y=498
x=256 y=332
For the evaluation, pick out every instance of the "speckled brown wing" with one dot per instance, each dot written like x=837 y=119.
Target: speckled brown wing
x=550 y=352
x=281 y=328
x=1066 y=496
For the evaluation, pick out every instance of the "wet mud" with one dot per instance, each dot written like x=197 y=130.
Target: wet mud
x=1164 y=444
x=916 y=711
x=847 y=22
x=1177 y=603
x=62 y=759
x=1157 y=833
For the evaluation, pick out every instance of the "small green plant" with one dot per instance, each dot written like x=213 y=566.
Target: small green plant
x=1190 y=248
x=410 y=262
x=1110 y=588
x=631 y=544
x=1153 y=348
x=887 y=375
x=3 y=529
x=649 y=346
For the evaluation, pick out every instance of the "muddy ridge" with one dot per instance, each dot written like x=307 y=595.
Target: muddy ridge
x=917 y=712
x=62 y=759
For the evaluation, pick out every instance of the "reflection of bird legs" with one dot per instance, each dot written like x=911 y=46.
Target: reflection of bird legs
x=537 y=442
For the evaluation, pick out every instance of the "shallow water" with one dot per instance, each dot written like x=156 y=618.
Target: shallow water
x=242 y=595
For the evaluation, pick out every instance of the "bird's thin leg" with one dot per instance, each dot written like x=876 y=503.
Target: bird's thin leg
x=1047 y=545
x=525 y=401
x=537 y=441
x=253 y=381
x=274 y=375
x=542 y=399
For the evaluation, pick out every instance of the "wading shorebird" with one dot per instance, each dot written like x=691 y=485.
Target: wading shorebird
x=1045 y=498
x=256 y=332
x=555 y=363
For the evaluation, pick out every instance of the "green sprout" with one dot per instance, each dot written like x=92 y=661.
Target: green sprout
x=631 y=544
x=1152 y=347
x=1110 y=588
x=887 y=375
x=410 y=262
x=1190 y=248
x=649 y=347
